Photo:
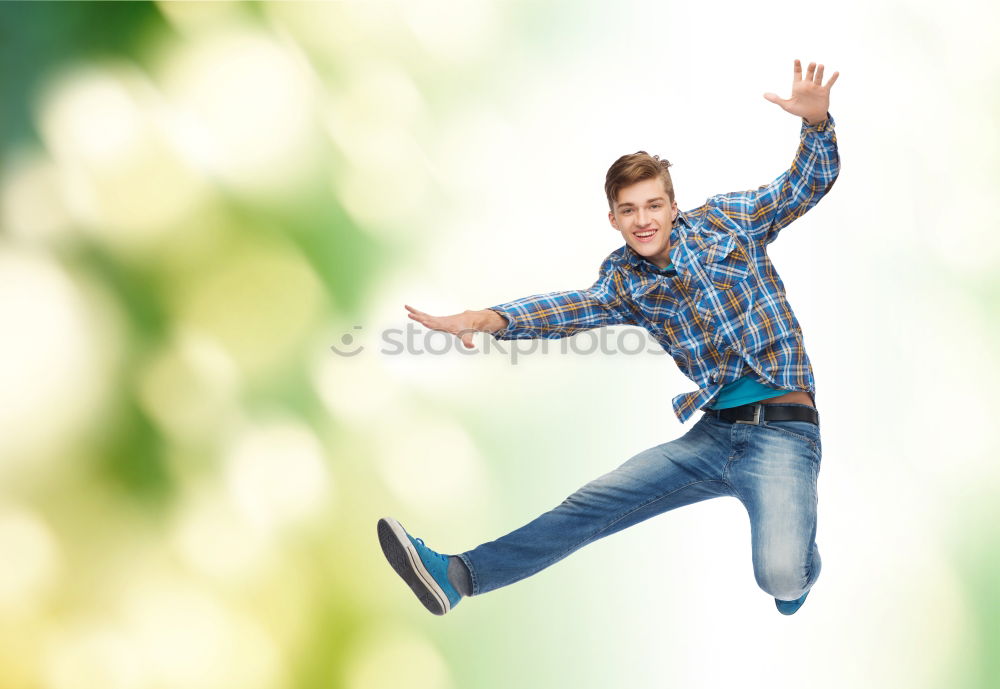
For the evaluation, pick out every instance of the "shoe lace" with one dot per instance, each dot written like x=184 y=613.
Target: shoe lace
x=436 y=554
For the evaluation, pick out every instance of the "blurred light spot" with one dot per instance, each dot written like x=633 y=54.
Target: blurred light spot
x=90 y=116
x=922 y=616
x=258 y=303
x=383 y=204
x=214 y=540
x=30 y=560
x=342 y=33
x=377 y=92
x=371 y=120
x=967 y=219
x=92 y=655
x=120 y=177
x=455 y=32
x=31 y=203
x=276 y=475
x=379 y=99
x=254 y=101
x=354 y=389
x=192 y=18
x=191 y=140
x=474 y=150
x=55 y=358
x=390 y=658
x=967 y=379
x=189 y=640
x=189 y=387
x=431 y=464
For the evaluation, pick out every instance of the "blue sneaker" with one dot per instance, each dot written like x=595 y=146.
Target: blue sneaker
x=788 y=607
x=425 y=571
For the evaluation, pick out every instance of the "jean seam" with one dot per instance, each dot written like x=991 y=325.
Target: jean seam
x=622 y=516
x=725 y=477
x=472 y=573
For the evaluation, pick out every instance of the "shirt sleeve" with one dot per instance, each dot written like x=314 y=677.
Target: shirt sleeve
x=765 y=211
x=560 y=314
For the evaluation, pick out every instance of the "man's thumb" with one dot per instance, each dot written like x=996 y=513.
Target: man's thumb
x=467 y=340
x=773 y=97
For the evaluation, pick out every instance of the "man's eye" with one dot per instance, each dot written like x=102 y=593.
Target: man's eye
x=657 y=205
x=626 y=211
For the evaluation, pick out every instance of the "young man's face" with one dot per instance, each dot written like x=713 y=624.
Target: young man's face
x=644 y=215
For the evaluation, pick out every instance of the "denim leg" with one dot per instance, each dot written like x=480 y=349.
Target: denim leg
x=774 y=472
x=680 y=472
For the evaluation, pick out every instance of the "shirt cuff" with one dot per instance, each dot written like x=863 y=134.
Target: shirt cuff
x=821 y=127
x=503 y=332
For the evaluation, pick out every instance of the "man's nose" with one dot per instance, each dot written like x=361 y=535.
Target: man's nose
x=643 y=216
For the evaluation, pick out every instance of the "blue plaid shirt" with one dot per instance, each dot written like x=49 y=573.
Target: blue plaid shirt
x=723 y=307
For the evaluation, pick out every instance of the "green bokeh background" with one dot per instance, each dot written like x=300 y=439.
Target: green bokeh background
x=200 y=200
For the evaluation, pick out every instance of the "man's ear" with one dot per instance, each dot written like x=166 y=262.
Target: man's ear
x=611 y=217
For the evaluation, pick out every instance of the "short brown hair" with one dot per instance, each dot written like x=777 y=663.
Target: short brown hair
x=633 y=168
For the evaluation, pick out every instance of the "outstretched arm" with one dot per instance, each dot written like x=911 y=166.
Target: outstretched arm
x=463 y=325
x=548 y=316
x=765 y=211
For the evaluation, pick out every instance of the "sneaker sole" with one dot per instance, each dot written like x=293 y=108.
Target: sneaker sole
x=403 y=558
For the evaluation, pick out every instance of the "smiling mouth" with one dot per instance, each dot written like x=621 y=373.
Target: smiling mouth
x=645 y=236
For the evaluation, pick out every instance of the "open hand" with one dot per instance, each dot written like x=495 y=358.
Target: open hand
x=463 y=325
x=810 y=98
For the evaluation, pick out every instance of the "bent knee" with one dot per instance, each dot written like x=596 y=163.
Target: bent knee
x=783 y=580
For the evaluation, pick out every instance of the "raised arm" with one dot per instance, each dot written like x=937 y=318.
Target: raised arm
x=765 y=211
x=551 y=315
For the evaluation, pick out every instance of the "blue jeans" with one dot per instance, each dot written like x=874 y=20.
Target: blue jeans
x=771 y=468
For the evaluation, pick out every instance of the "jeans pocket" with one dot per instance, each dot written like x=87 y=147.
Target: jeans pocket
x=803 y=430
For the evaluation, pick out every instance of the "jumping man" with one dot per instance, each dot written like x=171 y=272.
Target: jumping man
x=701 y=282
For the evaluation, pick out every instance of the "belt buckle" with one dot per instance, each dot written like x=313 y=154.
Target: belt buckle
x=757 y=413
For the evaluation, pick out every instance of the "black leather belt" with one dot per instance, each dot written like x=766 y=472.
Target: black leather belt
x=756 y=413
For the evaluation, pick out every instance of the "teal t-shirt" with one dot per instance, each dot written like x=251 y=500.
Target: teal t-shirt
x=743 y=391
